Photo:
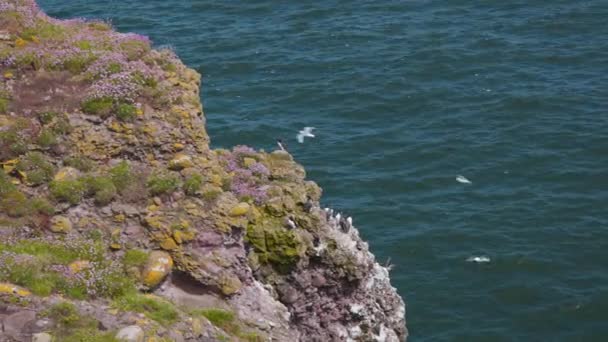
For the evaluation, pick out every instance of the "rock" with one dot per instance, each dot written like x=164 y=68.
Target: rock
x=240 y=209
x=158 y=266
x=176 y=336
x=61 y=224
x=42 y=337
x=132 y=333
x=180 y=162
x=67 y=174
x=229 y=284
x=15 y=324
x=168 y=244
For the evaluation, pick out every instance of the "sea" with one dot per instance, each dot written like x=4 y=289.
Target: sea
x=405 y=96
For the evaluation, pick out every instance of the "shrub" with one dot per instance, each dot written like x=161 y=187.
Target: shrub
x=81 y=163
x=14 y=204
x=102 y=188
x=193 y=184
x=46 y=117
x=47 y=139
x=162 y=184
x=121 y=175
x=36 y=167
x=71 y=191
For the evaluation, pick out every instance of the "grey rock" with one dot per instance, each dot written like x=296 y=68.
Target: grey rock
x=15 y=324
x=42 y=337
x=132 y=333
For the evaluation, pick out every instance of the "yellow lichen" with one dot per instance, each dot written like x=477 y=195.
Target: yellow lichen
x=8 y=288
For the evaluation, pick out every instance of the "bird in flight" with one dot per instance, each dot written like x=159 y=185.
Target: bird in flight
x=305 y=133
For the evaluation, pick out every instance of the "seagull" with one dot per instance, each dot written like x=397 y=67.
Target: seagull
x=478 y=259
x=306 y=132
x=290 y=223
x=281 y=146
x=463 y=179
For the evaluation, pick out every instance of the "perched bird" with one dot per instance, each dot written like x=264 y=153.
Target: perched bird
x=463 y=179
x=281 y=145
x=308 y=205
x=350 y=221
x=344 y=225
x=338 y=217
x=289 y=222
x=306 y=132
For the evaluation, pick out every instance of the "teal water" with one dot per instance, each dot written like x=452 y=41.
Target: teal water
x=406 y=96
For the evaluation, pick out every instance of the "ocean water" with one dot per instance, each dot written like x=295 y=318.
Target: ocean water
x=405 y=96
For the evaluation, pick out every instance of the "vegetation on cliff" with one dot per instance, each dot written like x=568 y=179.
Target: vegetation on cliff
x=115 y=215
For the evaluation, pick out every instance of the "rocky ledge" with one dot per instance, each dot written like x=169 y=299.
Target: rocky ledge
x=119 y=223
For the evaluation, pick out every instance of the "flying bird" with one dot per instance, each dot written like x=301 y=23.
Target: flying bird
x=463 y=180
x=478 y=259
x=305 y=133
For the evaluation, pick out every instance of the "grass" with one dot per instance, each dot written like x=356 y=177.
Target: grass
x=121 y=175
x=126 y=112
x=153 y=308
x=162 y=184
x=72 y=326
x=193 y=184
x=47 y=139
x=135 y=258
x=4 y=102
x=46 y=117
x=102 y=189
x=102 y=107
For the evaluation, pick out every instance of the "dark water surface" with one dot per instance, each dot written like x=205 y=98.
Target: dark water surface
x=406 y=96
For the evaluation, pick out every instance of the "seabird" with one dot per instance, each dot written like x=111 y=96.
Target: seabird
x=478 y=259
x=306 y=132
x=344 y=225
x=290 y=223
x=308 y=205
x=463 y=179
x=281 y=145
x=338 y=216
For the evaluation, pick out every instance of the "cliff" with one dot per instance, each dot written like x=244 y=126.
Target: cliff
x=118 y=222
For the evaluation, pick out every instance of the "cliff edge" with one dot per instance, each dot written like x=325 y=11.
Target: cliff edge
x=119 y=223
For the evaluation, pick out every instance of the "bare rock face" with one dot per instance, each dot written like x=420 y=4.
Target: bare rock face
x=116 y=217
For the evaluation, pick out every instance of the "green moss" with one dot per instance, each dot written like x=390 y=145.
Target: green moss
x=274 y=245
x=162 y=184
x=102 y=107
x=156 y=309
x=36 y=167
x=81 y=163
x=73 y=326
x=126 y=112
x=71 y=191
x=135 y=258
x=193 y=184
x=47 y=139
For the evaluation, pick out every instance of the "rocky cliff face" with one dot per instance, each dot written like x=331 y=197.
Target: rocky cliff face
x=118 y=222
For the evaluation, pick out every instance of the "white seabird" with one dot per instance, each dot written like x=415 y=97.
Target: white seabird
x=306 y=132
x=478 y=259
x=463 y=179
